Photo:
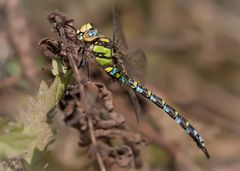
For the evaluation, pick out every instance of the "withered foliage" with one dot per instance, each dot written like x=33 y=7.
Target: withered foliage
x=88 y=106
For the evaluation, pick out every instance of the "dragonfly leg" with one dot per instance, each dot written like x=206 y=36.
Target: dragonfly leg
x=80 y=55
x=88 y=70
x=84 y=63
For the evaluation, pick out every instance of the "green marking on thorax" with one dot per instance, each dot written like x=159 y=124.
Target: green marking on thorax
x=103 y=61
x=101 y=49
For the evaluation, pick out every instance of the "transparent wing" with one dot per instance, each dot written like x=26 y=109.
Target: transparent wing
x=129 y=63
x=134 y=100
x=137 y=106
x=135 y=64
x=119 y=39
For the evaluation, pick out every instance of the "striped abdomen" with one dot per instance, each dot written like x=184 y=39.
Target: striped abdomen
x=114 y=72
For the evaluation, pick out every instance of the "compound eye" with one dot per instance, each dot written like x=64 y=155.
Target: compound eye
x=92 y=33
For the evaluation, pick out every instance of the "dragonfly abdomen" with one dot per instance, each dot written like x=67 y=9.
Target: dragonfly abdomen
x=174 y=114
x=116 y=73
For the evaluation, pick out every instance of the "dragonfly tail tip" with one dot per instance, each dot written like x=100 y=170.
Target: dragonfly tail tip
x=206 y=152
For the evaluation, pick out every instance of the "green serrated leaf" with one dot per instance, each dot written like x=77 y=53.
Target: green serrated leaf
x=27 y=140
x=59 y=86
x=34 y=117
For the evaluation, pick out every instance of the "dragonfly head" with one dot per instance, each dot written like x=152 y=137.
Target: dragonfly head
x=87 y=33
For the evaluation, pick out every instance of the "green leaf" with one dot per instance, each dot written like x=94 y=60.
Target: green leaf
x=38 y=162
x=28 y=138
x=58 y=67
x=67 y=78
x=13 y=139
x=26 y=166
x=51 y=114
x=34 y=116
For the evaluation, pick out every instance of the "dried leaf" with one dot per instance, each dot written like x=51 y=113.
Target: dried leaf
x=50 y=47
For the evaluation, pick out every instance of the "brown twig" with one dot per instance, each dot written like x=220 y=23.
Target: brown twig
x=81 y=90
x=93 y=138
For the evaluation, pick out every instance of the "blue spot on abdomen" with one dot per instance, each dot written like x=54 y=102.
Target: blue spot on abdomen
x=122 y=79
x=139 y=89
x=178 y=120
x=165 y=108
x=114 y=71
x=152 y=98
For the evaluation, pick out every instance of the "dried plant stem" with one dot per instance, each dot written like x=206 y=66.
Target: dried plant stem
x=94 y=142
x=81 y=90
x=88 y=106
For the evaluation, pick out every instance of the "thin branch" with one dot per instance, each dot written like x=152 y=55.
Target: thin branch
x=94 y=142
x=81 y=90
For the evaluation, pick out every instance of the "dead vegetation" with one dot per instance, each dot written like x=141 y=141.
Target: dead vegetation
x=193 y=61
x=88 y=106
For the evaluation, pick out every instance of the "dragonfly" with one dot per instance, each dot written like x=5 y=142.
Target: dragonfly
x=126 y=68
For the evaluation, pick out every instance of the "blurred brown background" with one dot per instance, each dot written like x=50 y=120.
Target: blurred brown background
x=193 y=52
